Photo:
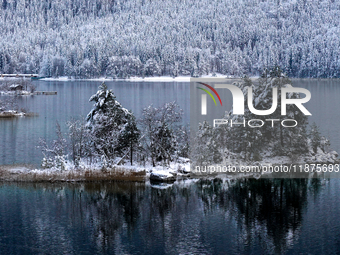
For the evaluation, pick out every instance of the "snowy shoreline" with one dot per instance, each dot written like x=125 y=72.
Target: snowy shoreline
x=149 y=79
x=133 y=79
x=26 y=173
x=22 y=173
x=158 y=174
x=102 y=79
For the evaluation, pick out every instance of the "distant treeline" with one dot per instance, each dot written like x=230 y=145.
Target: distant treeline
x=121 y=38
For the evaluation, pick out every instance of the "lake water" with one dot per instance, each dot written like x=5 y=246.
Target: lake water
x=19 y=137
x=290 y=216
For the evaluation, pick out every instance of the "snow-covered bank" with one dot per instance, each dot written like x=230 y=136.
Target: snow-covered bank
x=154 y=175
x=17 y=93
x=138 y=79
x=28 y=174
x=27 y=93
x=159 y=174
x=12 y=114
x=94 y=173
x=132 y=79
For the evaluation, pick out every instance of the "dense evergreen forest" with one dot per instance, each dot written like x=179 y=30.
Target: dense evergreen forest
x=122 y=38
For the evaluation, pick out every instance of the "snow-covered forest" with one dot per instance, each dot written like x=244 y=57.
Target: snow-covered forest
x=121 y=38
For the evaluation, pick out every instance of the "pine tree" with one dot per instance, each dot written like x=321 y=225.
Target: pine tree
x=106 y=122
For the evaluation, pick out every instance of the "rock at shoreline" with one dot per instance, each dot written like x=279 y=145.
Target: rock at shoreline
x=162 y=177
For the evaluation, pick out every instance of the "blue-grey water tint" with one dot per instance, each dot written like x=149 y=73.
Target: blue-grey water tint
x=291 y=216
x=19 y=137
x=324 y=106
x=208 y=217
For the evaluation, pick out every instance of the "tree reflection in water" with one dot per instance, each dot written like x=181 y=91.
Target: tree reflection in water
x=269 y=210
x=205 y=216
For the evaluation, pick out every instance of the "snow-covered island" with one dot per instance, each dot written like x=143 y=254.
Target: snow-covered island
x=244 y=145
x=9 y=108
x=11 y=114
x=83 y=173
x=110 y=144
x=10 y=89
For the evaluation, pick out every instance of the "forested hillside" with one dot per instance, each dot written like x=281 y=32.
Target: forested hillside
x=121 y=38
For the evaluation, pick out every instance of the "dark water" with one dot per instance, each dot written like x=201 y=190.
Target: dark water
x=19 y=137
x=291 y=216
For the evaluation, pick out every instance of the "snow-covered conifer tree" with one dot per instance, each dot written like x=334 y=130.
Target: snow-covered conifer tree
x=106 y=121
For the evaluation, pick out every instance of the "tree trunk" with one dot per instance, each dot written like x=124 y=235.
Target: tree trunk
x=131 y=153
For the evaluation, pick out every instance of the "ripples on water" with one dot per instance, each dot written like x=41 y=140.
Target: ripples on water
x=203 y=217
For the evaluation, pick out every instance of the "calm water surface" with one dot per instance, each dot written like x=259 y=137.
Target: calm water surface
x=19 y=137
x=206 y=217
x=290 y=216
